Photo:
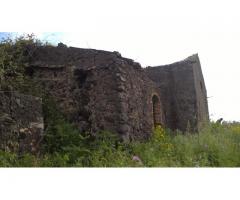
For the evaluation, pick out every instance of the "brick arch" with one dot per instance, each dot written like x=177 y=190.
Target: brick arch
x=156 y=110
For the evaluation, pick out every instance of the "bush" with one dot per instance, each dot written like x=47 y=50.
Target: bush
x=15 y=55
x=215 y=146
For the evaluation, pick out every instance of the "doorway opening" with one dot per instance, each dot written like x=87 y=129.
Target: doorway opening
x=156 y=110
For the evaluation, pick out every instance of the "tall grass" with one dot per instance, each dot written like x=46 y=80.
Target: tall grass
x=218 y=145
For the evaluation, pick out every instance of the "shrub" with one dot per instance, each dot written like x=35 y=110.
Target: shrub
x=215 y=146
x=15 y=55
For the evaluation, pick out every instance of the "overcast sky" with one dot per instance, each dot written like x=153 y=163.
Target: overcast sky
x=153 y=33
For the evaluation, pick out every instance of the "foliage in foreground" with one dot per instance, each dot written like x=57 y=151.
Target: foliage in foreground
x=216 y=146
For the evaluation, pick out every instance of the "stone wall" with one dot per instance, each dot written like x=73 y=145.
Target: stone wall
x=201 y=92
x=83 y=84
x=97 y=90
x=100 y=90
x=21 y=122
x=136 y=101
x=183 y=92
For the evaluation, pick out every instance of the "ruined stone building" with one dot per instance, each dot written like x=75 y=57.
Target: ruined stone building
x=100 y=90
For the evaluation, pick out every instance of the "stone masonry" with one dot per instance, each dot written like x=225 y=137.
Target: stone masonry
x=184 y=96
x=100 y=90
x=21 y=122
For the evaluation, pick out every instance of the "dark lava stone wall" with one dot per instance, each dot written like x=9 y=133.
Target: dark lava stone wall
x=82 y=82
x=21 y=122
x=97 y=90
x=136 y=102
x=183 y=93
x=201 y=92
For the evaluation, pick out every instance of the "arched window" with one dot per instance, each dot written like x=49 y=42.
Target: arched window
x=156 y=110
